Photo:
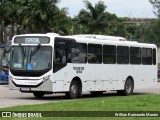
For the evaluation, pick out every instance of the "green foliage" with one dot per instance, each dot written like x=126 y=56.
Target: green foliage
x=156 y=6
x=95 y=19
x=34 y=16
x=152 y=32
x=42 y=16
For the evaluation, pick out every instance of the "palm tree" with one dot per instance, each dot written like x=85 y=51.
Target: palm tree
x=8 y=13
x=62 y=24
x=11 y=14
x=156 y=6
x=2 y=16
x=36 y=14
x=95 y=18
x=42 y=16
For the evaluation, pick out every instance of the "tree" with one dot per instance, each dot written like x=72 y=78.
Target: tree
x=156 y=6
x=94 y=18
x=42 y=16
x=9 y=14
x=152 y=32
x=36 y=14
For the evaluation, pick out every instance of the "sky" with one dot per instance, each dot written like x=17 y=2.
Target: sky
x=122 y=8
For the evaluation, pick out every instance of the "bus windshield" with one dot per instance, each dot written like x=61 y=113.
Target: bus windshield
x=31 y=58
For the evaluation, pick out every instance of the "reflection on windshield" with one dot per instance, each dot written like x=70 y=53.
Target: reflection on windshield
x=24 y=59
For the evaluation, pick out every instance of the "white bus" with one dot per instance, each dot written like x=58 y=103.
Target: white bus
x=45 y=63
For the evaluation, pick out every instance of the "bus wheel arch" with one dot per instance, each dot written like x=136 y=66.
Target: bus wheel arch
x=75 y=89
x=128 y=87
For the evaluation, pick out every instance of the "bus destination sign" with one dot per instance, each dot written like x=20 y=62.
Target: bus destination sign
x=31 y=40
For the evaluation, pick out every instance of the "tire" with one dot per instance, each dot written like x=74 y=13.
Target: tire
x=79 y=91
x=73 y=90
x=38 y=94
x=128 y=88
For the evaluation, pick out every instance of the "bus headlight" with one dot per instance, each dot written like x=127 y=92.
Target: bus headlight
x=46 y=78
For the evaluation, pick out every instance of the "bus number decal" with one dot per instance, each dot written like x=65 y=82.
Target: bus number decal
x=78 y=70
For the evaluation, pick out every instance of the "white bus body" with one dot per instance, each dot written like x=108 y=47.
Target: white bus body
x=45 y=63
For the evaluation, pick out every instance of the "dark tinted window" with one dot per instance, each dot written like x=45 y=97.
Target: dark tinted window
x=78 y=53
x=122 y=55
x=135 y=55
x=94 y=53
x=146 y=56
x=109 y=54
x=60 y=53
x=154 y=56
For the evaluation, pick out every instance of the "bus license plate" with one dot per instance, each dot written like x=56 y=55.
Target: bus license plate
x=25 y=89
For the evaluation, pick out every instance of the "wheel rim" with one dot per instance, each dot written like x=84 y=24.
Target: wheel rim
x=74 y=90
x=129 y=86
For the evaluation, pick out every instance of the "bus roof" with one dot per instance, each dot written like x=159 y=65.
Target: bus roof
x=112 y=42
x=96 y=39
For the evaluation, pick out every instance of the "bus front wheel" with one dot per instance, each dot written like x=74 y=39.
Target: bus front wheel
x=128 y=88
x=73 y=91
x=38 y=94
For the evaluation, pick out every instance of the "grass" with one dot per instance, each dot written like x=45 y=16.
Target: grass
x=106 y=103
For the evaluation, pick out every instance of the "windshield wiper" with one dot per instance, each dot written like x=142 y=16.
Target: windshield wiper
x=22 y=50
x=34 y=51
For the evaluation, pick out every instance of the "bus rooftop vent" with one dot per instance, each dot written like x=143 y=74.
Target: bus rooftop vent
x=55 y=34
x=102 y=37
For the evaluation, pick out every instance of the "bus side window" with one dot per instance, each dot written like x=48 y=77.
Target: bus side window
x=146 y=56
x=78 y=53
x=122 y=55
x=109 y=54
x=94 y=53
x=60 y=53
x=135 y=55
x=154 y=56
x=60 y=56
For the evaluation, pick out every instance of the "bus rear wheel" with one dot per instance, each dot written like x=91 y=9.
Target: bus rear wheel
x=73 y=91
x=38 y=94
x=128 y=88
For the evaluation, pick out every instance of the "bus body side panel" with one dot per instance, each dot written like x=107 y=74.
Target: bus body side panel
x=88 y=80
x=138 y=76
x=106 y=77
x=123 y=72
x=150 y=75
x=62 y=78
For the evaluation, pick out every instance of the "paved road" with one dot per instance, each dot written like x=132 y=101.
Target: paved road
x=13 y=97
